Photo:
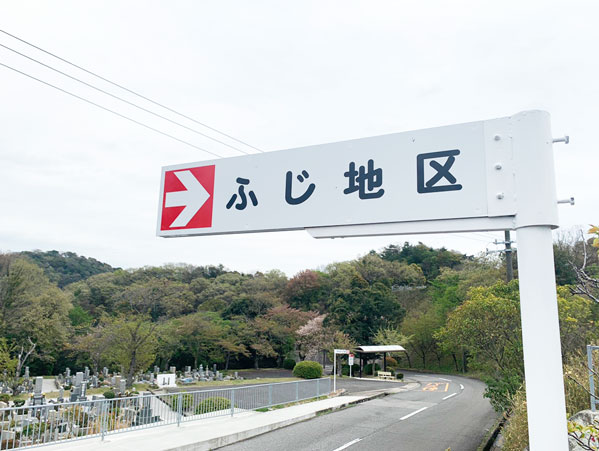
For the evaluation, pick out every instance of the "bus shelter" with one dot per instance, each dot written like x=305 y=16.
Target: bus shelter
x=372 y=352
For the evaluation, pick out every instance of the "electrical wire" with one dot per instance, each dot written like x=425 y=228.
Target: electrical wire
x=109 y=110
x=121 y=99
x=128 y=90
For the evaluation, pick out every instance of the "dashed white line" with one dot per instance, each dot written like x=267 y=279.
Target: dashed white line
x=447 y=380
x=348 y=444
x=413 y=413
x=461 y=387
x=447 y=397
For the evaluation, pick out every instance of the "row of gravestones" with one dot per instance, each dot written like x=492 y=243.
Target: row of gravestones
x=26 y=386
x=83 y=380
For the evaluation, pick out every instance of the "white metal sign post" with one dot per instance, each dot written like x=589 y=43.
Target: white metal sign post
x=489 y=175
x=335 y=352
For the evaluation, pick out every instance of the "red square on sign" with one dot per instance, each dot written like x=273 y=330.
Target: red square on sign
x=188 y=198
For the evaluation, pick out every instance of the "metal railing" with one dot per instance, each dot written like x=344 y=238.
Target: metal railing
x=29 y=426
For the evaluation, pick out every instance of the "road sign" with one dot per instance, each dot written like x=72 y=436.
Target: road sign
x=341 y=351
x=351 y=360
x=460 y=172
x=480 y=176
x=187 y=198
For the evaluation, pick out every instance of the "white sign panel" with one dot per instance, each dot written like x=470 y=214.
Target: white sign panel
x=341 y=351
x=439 y=173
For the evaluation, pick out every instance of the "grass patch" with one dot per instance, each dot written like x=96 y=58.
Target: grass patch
x=294 y=403
x=266 y=380
x=67 y=393
x=141 y=387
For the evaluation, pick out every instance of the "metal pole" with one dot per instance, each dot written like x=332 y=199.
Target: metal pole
x=103 y=419
x=591 y=376
x=334 y=371
x=232 y=402
x=179 y=409
x=540 y=331
x=509 y=263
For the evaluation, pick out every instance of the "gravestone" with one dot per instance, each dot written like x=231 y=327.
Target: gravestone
x=75 y=394
x=78 y=378
x=105 y=372
x=39 y=384
x=173 y=369
x=86 y=373
x=122 y=385
x=156 y=369
x=214 y=368
x=94 y=381
x=26 y=372
x=144 y=415
x=68 y=372
x=38 y=398
x=61 y=395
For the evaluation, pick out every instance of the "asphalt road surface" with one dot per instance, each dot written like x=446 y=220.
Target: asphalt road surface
x=442 y=412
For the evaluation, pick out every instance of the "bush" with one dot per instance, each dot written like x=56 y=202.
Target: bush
x=19 y=402
x=355 y=371
x=186 y=402
x=5 y=397
x=109 y=394
x=368 y=369
x=399 y=376
x=308 y=370
x=212 y=405
x=288 y=364
x=391 y=362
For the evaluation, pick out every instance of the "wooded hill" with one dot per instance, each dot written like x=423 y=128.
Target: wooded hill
x=452 y=312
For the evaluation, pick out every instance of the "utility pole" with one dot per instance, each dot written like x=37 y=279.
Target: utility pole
x=508 y=256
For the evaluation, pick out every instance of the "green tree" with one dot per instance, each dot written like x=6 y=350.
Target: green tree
x=133 y=343
x=488 y=325
x=430 y=260
x=393 y=336
x=362 y=309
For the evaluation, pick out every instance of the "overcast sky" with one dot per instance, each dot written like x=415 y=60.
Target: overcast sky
x=277 y=75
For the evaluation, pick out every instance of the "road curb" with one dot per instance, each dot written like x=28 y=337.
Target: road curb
x=219 y=442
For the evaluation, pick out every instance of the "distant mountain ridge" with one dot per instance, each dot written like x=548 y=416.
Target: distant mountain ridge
x=64 y=268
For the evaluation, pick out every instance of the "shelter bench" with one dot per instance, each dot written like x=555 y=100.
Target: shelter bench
x=384 y=375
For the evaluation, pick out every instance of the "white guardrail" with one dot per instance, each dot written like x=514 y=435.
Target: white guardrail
x=30 y=426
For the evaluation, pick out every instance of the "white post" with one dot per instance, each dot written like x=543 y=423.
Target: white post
x=334 y=370
x=541 y=341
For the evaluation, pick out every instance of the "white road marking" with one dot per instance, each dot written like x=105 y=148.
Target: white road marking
x=448 y=380
x=413 y=413
x=461 y=387
x=348 y=444
x=447 y=397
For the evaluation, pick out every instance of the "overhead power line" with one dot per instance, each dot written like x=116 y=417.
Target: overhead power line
x=109 y=110
x=129 y=90
x=121 y=99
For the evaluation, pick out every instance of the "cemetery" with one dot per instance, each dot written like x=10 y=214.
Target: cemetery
x=86 y=404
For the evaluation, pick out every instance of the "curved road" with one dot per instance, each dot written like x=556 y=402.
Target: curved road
x=441 y=412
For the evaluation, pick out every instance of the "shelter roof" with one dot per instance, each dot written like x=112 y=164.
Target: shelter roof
x=379 y=349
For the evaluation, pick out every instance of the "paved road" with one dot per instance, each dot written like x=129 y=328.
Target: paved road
x=437 y=415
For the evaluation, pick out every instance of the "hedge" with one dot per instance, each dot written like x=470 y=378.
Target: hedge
x=308 y=370
x=212 y=405
x=368 y=369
